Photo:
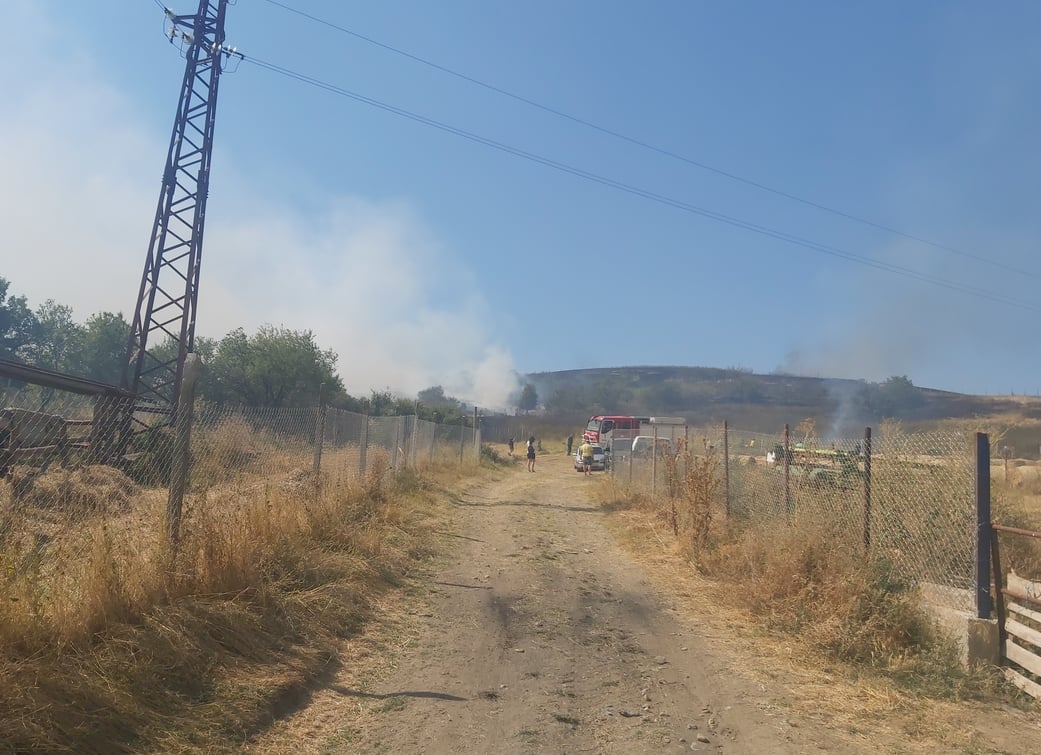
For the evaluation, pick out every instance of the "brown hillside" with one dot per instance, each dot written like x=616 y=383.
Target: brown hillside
x=764 y=403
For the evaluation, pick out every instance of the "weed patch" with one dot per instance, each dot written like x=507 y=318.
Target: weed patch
x=807 y=581
x=110 y=641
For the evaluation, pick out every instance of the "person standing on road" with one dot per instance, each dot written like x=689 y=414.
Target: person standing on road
x=570 y=442
x=531 y=454
x=586 y=451
x=510 y=444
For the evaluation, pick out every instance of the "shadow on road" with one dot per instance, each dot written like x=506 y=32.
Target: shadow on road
x=387 y=695
x=457 y=501
x=468 y=587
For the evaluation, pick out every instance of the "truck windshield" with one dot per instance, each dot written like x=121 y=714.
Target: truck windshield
x=594 y=424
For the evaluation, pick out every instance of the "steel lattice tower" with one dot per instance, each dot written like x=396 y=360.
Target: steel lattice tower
x=166 y=304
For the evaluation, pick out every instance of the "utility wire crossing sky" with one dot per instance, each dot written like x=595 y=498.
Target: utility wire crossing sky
x=430 y=256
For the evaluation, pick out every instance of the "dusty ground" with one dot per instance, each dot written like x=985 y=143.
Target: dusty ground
x=538 y=633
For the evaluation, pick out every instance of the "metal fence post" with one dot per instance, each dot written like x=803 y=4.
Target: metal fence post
x=414 y=449
x=397 y=442
x=867 y=489
x=984 y=603
x=787 y=472
x=726 y=466
x=319 y=433
x=182 y=447
x=363 y=446
x=654 y=464
x=686 y=447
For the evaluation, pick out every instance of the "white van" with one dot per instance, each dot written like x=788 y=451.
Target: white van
x=643 y=446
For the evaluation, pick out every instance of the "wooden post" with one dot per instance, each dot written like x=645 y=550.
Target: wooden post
x=726 y=466
x=182 y=448
x=867 y=489
x=984 y=604
x=477 y=442
x=319 y=433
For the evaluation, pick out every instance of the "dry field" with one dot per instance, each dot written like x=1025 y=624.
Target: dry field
x=455 y=610
x=554 y=622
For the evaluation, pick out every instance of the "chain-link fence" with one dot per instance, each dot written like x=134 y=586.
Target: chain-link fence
x=907 y=499
x=77 y=465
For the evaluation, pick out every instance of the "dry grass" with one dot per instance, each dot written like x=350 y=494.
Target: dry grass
x=1018 y=504
x=806 y=583
x=111 y=641
x=95 y=488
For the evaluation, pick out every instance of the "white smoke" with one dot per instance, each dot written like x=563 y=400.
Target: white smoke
x=369 y=278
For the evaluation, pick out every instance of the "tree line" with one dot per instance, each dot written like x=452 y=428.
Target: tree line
x=273 y=367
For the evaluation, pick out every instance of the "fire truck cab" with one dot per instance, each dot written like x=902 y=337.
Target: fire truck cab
x=603 y=426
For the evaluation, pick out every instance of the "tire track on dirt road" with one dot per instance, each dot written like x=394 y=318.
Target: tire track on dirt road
x=539 y=634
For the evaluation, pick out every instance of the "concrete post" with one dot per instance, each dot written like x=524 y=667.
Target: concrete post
x=182 y=448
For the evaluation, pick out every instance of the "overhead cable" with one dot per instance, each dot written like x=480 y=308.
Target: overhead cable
x=645 y=193
x=660 y=150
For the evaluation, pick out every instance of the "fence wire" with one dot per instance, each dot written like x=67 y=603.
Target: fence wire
x=907 y=499
x=60 y=473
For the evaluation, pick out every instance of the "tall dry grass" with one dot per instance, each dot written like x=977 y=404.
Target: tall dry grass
x=111 y=640
x=803 y=574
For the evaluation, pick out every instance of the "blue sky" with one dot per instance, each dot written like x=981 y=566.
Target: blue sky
x=423 y=258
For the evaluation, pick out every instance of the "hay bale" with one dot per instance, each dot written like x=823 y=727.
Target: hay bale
x=91 y=488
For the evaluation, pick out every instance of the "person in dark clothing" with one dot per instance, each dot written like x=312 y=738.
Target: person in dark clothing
x=531 y=454
x=570 y=443
x=510 y=444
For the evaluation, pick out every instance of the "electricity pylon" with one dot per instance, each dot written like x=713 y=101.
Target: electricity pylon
x=163 y=329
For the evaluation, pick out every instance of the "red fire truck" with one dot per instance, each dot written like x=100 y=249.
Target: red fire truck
x=601 y=425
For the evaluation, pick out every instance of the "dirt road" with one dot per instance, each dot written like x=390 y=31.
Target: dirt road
x=538 y=634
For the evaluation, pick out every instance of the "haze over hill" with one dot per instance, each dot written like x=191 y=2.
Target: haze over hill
x=839 y=407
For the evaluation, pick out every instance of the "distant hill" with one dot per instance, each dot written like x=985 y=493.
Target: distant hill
x=749 y=401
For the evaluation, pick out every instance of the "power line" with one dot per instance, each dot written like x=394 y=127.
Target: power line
x=645 y=193
x=653 y=148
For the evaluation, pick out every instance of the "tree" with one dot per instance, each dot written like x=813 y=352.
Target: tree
x=381 y=403
x=529 y=398
x=434 y=396
x=892 y=397
x=277 y=367
x=434 y=406
x=609 y=395
x=567 y=398
x=57 y=339
x=103 y=347
x=17 y=324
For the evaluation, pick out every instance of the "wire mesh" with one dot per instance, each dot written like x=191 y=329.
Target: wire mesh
x=908 y=499
x=65 y=469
